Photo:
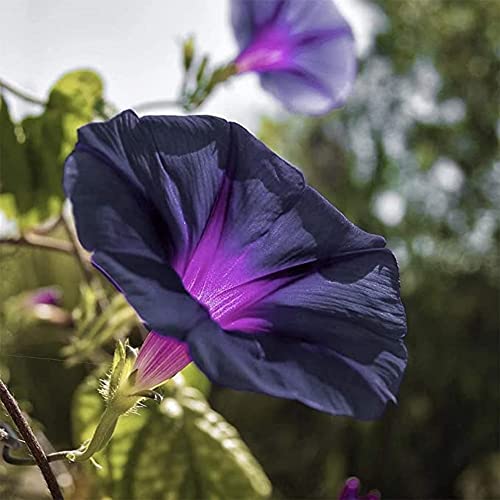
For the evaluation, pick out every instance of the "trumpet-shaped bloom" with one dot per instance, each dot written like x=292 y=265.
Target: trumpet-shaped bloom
x=302 y=49
x=235 y=263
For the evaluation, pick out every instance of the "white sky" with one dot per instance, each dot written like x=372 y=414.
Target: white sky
x=135 y=47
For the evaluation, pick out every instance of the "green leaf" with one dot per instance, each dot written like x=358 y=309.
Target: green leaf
x=15 y=178
x=193 y=377
x=77 y=93
x=180 y=449
x=36 y=149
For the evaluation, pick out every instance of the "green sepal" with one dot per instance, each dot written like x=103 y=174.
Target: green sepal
x=150 y=394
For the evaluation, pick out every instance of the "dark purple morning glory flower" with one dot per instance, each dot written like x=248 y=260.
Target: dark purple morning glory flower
x=302 y=49
x=232 y=261
x=350 y=491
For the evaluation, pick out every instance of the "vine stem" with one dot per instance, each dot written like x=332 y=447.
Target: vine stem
x=83 y=260
x=147 y=106
x=21 y=94
x=13 y=460
x=47 y=226
x=32 y=443
x=40 y=241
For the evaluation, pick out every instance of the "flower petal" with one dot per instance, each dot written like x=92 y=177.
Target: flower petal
x=309 y=16
x=247 y=16
x=335 y=341
x=277 y=219
x=321 y=80
x=159 y=359
x=134 y=213
x=315 y=63
x=350 y=491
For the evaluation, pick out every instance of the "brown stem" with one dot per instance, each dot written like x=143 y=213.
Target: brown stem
x=39 y=241
x=152 y=105
x=32 y=443
x=84 y=262
x=77 y=249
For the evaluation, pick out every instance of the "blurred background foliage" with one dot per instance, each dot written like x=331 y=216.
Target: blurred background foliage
x=413 y=156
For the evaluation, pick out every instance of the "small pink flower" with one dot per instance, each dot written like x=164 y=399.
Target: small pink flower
x=48 y=296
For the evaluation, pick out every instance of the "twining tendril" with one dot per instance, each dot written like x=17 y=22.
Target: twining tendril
x=30 y=439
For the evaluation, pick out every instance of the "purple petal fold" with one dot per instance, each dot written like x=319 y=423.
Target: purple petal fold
x=218 y=242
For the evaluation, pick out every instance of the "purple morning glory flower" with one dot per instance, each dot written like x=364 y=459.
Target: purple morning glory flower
x=350 y=491
x=45 y=296
x=232 y=261
x=302 y=49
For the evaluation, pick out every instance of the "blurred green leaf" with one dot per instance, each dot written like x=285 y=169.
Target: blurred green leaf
x=197 y=379
x=92 y=330
x=33 y=152
x=180 y=449
x=481 y=480
x=77 y=93
x=15 y=179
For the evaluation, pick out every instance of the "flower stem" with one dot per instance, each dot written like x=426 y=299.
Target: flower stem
x=21 y=94
x=147 y=106
x=102 y=435
x=13 y=460
x=84 y=261
x=14 y=411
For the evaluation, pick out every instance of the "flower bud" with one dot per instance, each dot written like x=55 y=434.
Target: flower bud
x=188 y=52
